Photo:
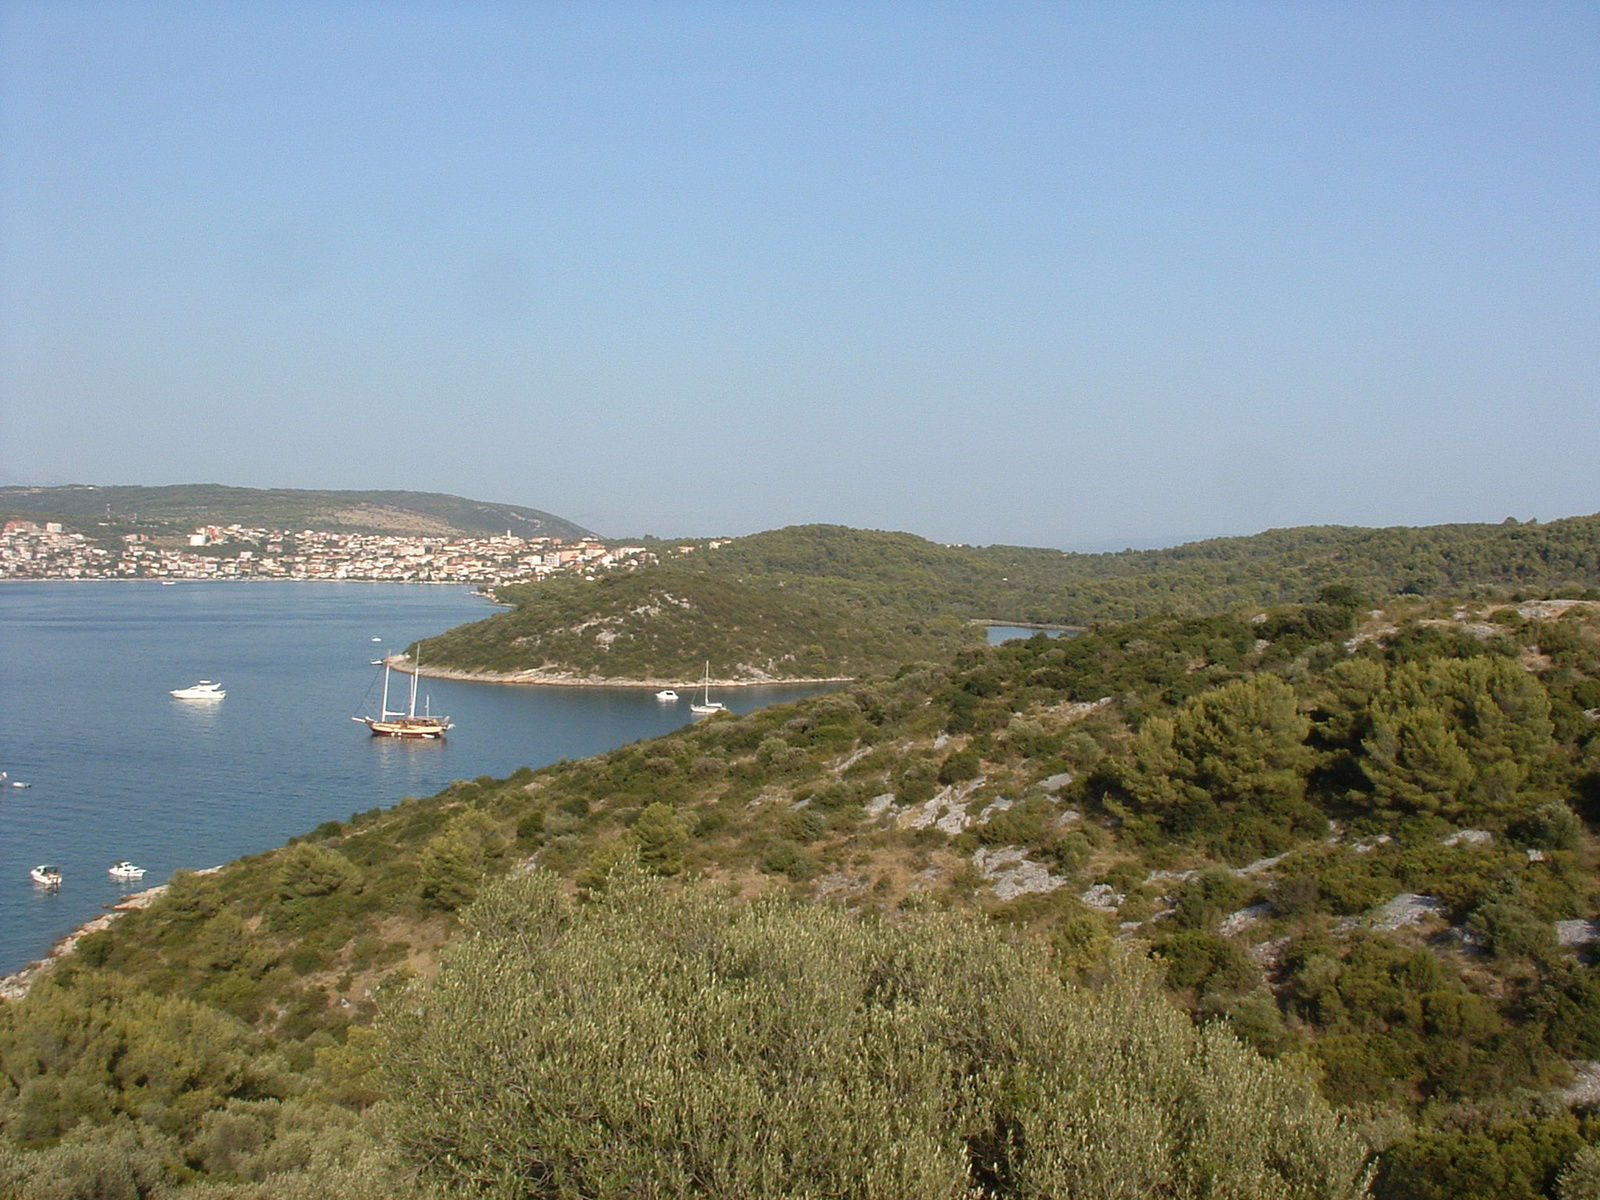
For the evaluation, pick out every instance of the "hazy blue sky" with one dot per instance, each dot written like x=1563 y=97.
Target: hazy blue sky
x=1051 y=273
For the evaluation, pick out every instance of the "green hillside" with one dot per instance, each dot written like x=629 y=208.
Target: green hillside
x=1010 y=583
x=1359 y=845
x=827 y=601
x=665 y=624
x=183 y=506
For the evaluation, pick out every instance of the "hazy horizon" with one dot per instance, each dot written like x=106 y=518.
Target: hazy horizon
x=1047 y=275
x=1104 y=546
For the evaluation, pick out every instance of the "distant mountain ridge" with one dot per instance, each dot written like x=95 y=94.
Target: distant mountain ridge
x=396 y=512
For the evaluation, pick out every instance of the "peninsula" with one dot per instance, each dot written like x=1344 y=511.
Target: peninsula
x=816 y=602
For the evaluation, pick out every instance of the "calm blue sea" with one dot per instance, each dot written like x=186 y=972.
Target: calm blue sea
x=120 y=769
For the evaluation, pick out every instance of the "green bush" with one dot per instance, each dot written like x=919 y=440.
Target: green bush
x=959 y=767
x=664 y=1043
x=662 y=839
x=1508 y=1160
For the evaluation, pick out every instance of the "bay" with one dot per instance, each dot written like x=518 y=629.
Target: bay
x=996 y=634
x=120 y=769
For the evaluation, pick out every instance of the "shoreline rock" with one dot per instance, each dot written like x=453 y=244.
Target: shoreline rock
x=539 y=677
x=15 y=986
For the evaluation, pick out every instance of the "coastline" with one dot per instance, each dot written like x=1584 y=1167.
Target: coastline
x=536 y=677
x=988 y=623
x=15 y=986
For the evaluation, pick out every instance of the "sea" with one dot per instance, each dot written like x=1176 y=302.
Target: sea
x=119 y=769
x=996 y=634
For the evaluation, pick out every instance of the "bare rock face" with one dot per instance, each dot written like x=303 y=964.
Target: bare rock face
x=1408 y=908
x=1011 y=874
x=993 y=810
x=879 y=805
x=1469 y=837
x=1104 y=897
x=1238 y=922
x=1577 y=933
x=1267 y=955
x=1585 y=1089
x=946 y=812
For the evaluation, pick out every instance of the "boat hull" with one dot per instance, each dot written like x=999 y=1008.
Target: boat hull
x=415 y=728
x=204 y=690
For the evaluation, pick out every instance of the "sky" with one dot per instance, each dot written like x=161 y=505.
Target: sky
x=1065 y=274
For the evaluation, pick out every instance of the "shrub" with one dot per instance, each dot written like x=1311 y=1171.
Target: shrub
x=664 y=1043
x=784 y=857
x=959 y=767
x=661 y=838
x=1550 y=826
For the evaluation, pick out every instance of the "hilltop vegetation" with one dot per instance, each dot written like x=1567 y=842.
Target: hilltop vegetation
x=823 y=601
x=664 y=624
x=182 y=507
x=1358 y=844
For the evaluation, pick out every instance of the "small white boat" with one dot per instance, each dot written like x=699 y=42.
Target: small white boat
x=377 y=639
x=667 y=696
x=17 y=783
x=707 y=704
x=126 y=870
x=169 y=583
x=204 y=690
x=46 y=876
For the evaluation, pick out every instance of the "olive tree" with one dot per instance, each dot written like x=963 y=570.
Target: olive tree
x=660 y=1042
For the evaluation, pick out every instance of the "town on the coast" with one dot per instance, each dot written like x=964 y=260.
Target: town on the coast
x=29 y=550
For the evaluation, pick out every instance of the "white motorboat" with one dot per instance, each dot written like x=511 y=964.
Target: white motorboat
x=204 y=690
x=707 y=705
x=126 y=870
x=667 y=696
x=46 y=876
x=17 y=783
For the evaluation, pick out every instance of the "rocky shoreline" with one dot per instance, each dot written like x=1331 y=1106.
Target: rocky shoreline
x=15 y=986
x=547 y=678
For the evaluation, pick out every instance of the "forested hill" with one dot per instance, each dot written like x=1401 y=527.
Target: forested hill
x=1014 y=583
x=666 y=625
x=822 y=601
x=1210 y=867
x=187 y=505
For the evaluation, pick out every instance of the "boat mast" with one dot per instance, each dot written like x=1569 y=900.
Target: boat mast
x=385 y=710
x=416 y=669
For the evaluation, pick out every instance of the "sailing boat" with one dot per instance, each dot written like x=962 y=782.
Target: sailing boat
x=406 y=724
x=707 y=704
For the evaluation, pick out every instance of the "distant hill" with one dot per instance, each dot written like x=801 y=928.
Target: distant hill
x=664 y=625
x=825 y=600
x=1280 y=566
x=190 y=504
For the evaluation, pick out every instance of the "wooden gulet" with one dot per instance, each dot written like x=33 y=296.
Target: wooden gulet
x=408 y=724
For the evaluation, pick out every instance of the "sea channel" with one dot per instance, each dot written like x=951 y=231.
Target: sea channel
x=119 y=769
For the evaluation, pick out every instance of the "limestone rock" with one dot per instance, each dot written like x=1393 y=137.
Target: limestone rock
x=1011 y=874
x=1103 y=897
x=1408 y=908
